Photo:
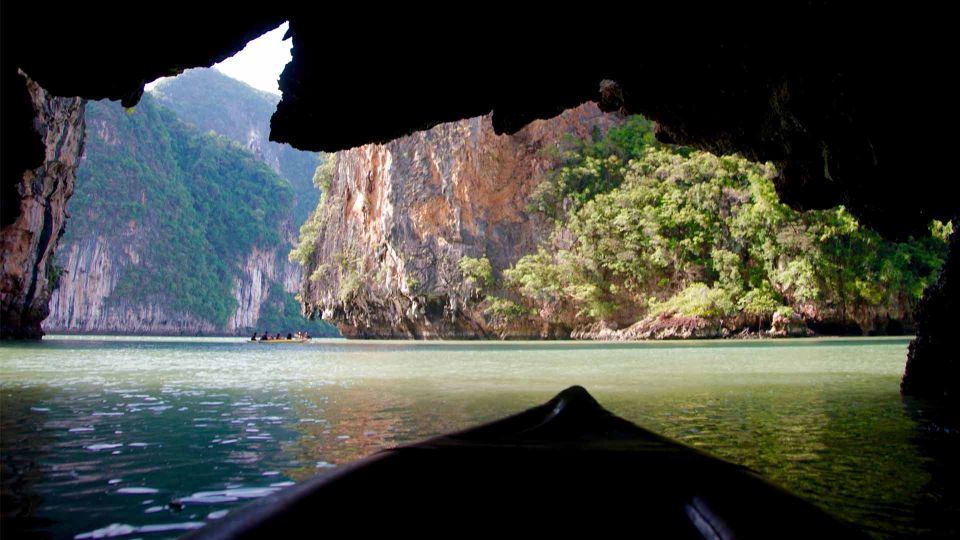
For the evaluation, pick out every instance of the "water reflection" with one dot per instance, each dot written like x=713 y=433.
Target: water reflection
x=133 y=439
x=22 y=444
x=848 y=449
x=342 y=426
x=936 y=434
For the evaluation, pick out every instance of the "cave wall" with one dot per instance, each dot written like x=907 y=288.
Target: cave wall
x=28 y=243
x=933 y=369
x=843 y=114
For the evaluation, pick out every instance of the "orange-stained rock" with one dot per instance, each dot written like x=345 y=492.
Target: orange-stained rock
x=28 y=243
x=399 y=216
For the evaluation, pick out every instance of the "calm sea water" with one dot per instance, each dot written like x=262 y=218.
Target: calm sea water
x=150 y=437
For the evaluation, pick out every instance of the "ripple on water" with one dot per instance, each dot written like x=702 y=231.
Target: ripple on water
x=797 y=418
x=122 y=529
x=138 y=491
x=228 y=495
x=103 y=446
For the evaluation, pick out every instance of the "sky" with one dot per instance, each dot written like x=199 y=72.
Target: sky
x=259 y=63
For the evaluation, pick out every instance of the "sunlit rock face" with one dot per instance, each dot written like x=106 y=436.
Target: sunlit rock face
x=399 y=216
x=29 y=242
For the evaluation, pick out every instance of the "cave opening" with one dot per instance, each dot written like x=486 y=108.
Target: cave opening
x=183 y=211
x=817 y=110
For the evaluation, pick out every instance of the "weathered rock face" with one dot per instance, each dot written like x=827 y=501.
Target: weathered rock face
x=398 y=217
x=262 y=268
x=656 y=328
x=28 y=243
x=669 y=326
x=93 y=268
x=788 y=326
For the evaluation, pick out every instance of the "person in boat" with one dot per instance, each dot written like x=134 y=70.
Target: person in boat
x=289 y=336
x=254 y=338
x=266 y=336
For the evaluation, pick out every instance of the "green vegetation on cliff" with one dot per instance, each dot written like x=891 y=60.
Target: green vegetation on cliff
x=307 y=241
x=281 y=313
x=187 y=208
x=210 y=100
x=202 y=201
x=643 y=230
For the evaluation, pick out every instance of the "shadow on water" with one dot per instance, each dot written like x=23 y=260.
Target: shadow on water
x=937 y=438
x=23 y=445
x=864 y=456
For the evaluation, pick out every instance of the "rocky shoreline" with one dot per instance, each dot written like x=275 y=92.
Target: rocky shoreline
x=668 y=327
x=659 y=328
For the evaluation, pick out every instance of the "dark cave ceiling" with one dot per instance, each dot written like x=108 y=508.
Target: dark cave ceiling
x=848 y=104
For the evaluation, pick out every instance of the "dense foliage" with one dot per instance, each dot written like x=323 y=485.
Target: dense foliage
x=477 y=274
x=307 y=241
x=586 y=168
x=657 y=229
x=209 y=100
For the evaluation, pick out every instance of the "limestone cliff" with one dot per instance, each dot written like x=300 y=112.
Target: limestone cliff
x=398 y=217
x=173 y=232
x=28 y=243
x=252 y=289
x=93 y=267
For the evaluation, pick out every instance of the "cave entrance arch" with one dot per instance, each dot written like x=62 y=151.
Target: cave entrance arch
x=818 y=108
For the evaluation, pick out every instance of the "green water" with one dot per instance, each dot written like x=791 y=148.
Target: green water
x=99 y=435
